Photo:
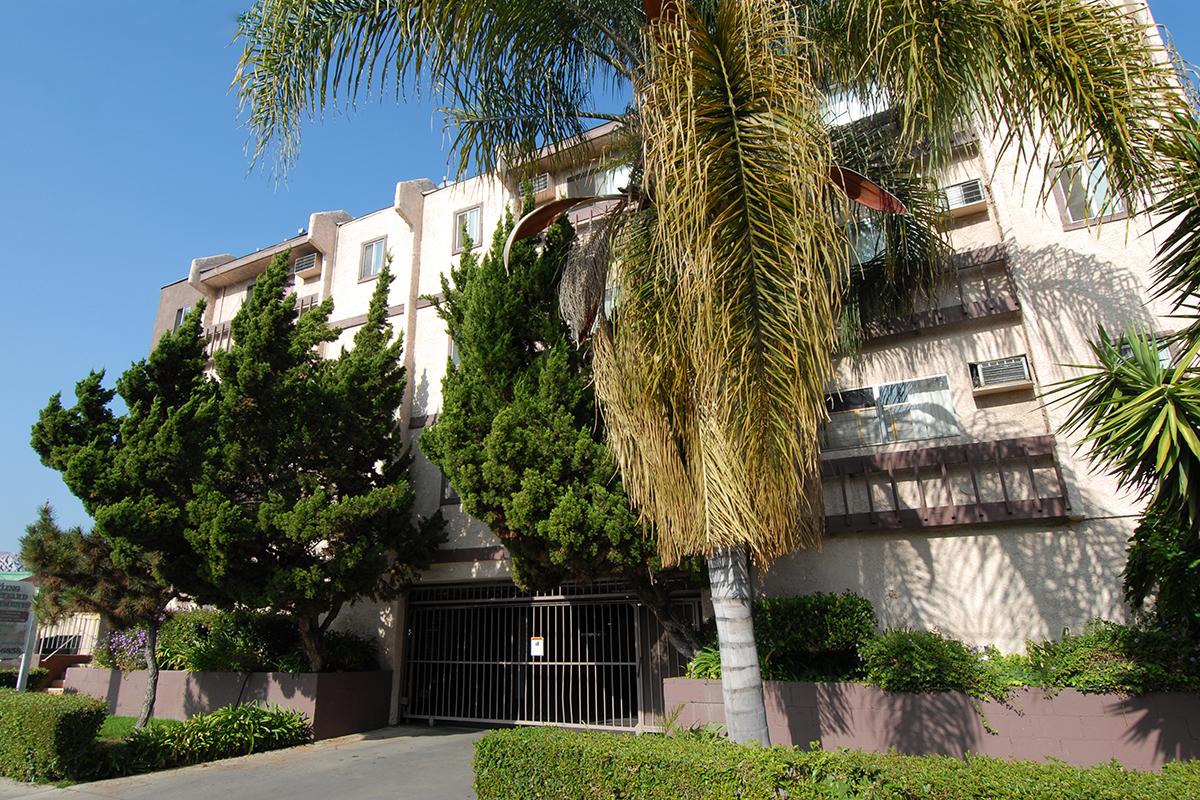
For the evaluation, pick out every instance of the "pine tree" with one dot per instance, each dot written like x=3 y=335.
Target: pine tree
x=305 y=505
x=135 y=475
x=519 y=436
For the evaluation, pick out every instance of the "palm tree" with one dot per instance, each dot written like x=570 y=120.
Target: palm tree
x=1140 y=417
x=732 y=249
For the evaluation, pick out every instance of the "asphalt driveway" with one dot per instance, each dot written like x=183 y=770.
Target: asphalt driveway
x=388 y=764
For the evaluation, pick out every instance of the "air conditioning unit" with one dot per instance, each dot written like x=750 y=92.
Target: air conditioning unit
x=1001 y=375
x=306 y=265
x=964 y=198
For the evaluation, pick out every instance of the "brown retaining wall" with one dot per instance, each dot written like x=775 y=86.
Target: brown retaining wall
x=1140 y=732
x=337 y=703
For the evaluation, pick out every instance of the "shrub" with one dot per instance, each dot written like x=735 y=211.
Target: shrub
x=1108 y=657
x=225 y=733
x=8 y=677
x=925 y=661
x=212 y=640
x=46 y=737
x=811 y=637
x=556 y=764
x=124 y=650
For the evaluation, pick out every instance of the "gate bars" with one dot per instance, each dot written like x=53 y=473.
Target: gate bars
x=474 y=656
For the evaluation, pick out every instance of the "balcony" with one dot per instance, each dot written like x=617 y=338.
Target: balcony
x=975 y=285
x=945 y=486
x=217 y=338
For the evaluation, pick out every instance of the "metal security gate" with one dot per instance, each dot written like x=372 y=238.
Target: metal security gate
x=583 y=656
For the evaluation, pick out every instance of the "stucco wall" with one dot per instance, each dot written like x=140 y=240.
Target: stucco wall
x=1139 y=732
x=173 y=297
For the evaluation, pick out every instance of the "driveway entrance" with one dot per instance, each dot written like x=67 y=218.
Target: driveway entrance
x=402 y=763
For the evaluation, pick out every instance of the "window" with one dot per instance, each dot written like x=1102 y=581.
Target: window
x=598 y=181
x=468 y=224
x=1166 y=359
x=449 y=496
x=540 y=183
x=372 y=259
x=890 y=412
x=1084 y=194
x=180 y=315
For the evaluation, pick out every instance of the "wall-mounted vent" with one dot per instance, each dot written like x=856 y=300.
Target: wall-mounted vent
x=305 y=264
x=1001 y=373
x=964 y=197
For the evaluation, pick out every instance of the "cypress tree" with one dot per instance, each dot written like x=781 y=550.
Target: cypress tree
x=519 y=436
x=305 y=505
x=134 y=474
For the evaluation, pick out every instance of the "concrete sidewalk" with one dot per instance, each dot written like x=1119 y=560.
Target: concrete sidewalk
x=392 y=763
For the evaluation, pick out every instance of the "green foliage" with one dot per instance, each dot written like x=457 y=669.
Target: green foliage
x=810 y=637
x=706 y=664
x=1162 y=563
x=225 y=733
x=46 y=737
x=214 y=640
x=118 y=728
x=8 y=677
x=813 y=637
x=924 y=661
x=519 y=435
x=555 y=764
x=1106 y=657
x=305 y=503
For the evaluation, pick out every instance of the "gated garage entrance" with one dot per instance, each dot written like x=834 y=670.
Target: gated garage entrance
x=581 y=656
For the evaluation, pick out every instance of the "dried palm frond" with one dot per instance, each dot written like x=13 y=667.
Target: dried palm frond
x=585 y=277
x=713 y=381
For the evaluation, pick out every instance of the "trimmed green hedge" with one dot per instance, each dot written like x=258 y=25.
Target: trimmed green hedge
x=556 y=764
x=46 y=737
x=8 y=677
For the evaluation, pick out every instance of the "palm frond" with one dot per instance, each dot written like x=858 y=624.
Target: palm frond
x=713 y=381
x=518 y=75
x=1077 y=76
x=1140 y=419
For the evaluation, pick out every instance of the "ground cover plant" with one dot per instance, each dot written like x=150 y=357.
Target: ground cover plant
x=556 y=764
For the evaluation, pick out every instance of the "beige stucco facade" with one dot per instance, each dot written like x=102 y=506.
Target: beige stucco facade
x=1053 y=562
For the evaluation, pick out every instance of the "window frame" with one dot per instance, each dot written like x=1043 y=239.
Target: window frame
x=362 y=258
x=456 y=246
x=874 y=389
x=1060 y=198
x=180 y=315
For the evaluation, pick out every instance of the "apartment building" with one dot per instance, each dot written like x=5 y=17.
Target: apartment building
x=952 y=501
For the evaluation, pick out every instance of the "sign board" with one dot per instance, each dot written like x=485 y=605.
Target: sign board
x=16 y=609
x=537 y=646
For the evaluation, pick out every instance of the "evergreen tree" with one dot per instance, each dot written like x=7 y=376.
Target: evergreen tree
x=305 y=505
x=135 y=475
x=519 y=436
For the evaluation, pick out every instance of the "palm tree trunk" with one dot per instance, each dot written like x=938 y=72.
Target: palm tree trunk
x=151 y=674
x=741 y=681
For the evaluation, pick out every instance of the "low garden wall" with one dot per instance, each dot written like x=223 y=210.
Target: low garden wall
x=337 y=703
x=1140 y=732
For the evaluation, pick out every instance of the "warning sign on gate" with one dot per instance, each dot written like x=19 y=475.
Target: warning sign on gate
x=16 y=604
x=537 y=646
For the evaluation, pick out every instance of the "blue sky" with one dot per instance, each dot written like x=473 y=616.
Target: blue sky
x=121 y=159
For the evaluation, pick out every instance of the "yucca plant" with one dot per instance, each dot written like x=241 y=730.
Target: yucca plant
x=732 y=250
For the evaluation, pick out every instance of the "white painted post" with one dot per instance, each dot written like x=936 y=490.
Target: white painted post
x=27 y=656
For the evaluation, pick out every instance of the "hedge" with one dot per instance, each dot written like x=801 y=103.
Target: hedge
x=8 y=677
x=46 y=737
x=557 y=764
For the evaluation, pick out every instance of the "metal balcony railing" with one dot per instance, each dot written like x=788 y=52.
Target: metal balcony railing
x=975 y=285
x=945 y=486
